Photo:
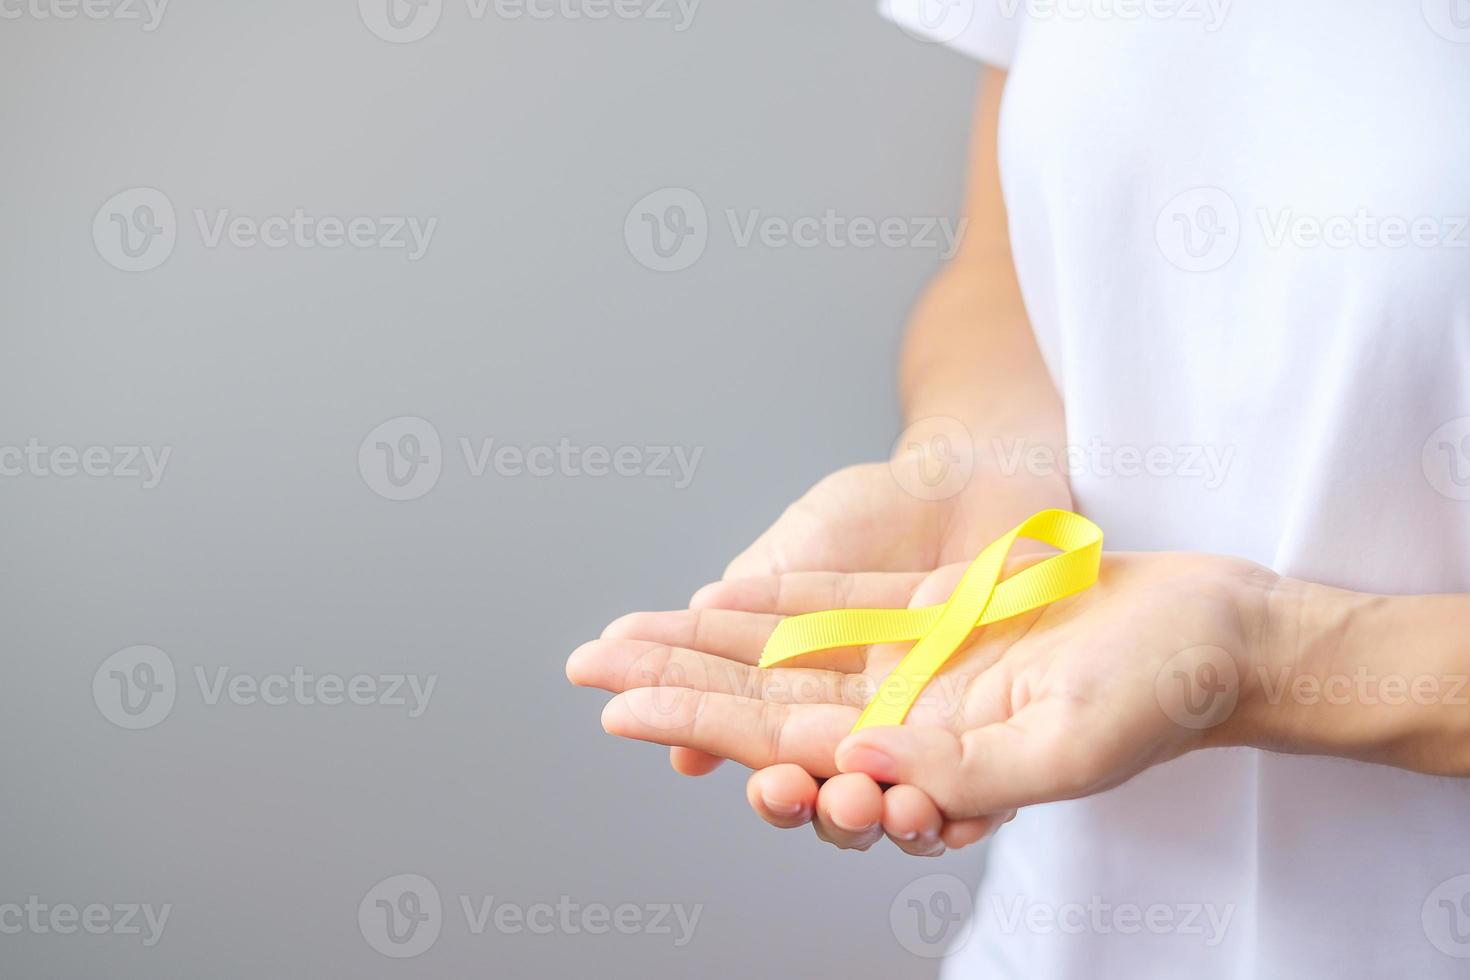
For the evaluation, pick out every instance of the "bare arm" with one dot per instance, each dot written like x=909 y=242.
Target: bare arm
x=1379 y=678
x=970 y=353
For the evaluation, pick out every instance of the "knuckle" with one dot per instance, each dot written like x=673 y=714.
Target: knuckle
x=855 y=690
x=842 y=591
x=772 y=722
x=1073 y=772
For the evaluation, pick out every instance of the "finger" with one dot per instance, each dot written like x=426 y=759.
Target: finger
x=625 y=665
x=692 y=762
x=912 y=821
x=784 y=795
x=725 y=633
x=987 y=770
x=849 y=812
x=803 y=592
x=963 y=833
x=758 y=559
x=753 y=733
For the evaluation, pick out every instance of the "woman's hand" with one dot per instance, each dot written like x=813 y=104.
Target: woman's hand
x=934 y=503
x=892 y=516
x=1063 y=702
x=969 y=353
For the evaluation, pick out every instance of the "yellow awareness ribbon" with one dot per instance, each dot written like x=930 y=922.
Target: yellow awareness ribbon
x=980 y=598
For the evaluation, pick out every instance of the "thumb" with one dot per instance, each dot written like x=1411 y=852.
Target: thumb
x=753 y=562
x=986 y=770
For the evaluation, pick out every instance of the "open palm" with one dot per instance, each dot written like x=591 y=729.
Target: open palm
x=875 y=517
x=1056 y=704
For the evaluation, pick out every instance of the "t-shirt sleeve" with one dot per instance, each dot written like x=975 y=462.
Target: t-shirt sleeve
x=983 y=29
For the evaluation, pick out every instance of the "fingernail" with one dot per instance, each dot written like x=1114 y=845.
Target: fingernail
x=911 y=835
x=870 y=761
x=781 y=809
x=854 y=830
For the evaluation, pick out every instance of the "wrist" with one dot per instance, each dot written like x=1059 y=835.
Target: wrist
x=1368 y=677
x=1282 y=638
x=1015 y=464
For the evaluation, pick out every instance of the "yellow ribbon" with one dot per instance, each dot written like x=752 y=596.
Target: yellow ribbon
x=980 y=598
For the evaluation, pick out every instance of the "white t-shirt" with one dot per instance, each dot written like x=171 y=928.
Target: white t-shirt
x=1241 y=233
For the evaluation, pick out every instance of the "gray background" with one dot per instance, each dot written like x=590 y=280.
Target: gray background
x=528 y=321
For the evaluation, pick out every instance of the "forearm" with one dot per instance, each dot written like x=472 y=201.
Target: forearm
x=1379 y=678
x=970 y=354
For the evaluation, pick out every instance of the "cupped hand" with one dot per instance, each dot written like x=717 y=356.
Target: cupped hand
x=880 y=517
x=1060 y=703
x=894 y=517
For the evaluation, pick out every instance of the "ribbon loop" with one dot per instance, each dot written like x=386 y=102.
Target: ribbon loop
x=979 y=599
